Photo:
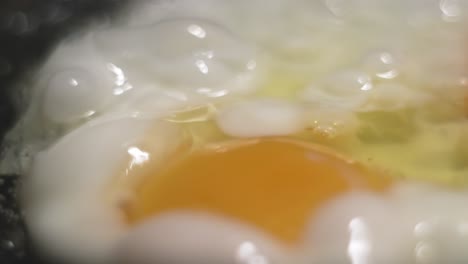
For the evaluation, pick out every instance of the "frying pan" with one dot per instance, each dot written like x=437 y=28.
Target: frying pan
x=29 y=29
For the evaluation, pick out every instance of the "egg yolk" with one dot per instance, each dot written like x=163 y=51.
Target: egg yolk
x=272 y=184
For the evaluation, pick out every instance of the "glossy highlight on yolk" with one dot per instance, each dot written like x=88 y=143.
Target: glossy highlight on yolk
x=272 y=184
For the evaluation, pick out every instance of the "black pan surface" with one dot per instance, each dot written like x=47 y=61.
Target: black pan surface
x=29 y=29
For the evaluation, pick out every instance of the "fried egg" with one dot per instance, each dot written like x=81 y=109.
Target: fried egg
x=251 y=132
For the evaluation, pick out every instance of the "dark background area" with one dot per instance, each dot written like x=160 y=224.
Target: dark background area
x=29 y=29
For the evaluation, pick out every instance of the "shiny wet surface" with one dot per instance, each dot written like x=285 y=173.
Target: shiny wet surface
x=28 y=31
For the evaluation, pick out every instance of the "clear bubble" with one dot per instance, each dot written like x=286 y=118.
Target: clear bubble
x=346 y=90
x=381 y=64
x=194 y=55
x=72 y=94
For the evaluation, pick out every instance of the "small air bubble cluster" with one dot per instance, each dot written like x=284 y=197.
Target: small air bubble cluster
x=195 y=57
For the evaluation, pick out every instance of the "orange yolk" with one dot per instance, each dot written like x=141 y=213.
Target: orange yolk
x=272 y=184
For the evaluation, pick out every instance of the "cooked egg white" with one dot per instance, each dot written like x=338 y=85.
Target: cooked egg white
x=285 y=132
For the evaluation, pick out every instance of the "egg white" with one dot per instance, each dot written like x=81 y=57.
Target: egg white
x=81 y=132
x=78 y=168
x=414 y=223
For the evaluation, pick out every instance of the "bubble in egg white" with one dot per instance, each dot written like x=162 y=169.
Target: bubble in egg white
x=197 y=56
x=348 y=83
x=382 y=64
x=453 y=10
x=71 y=88
x=170 y=56
x=421 y=12
x=261 y=117
x=156 y=103
x=331 y=122
x=72 y=94
x=356 y=91
x=60 y=58
x=346 y=89
x=418 y=234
